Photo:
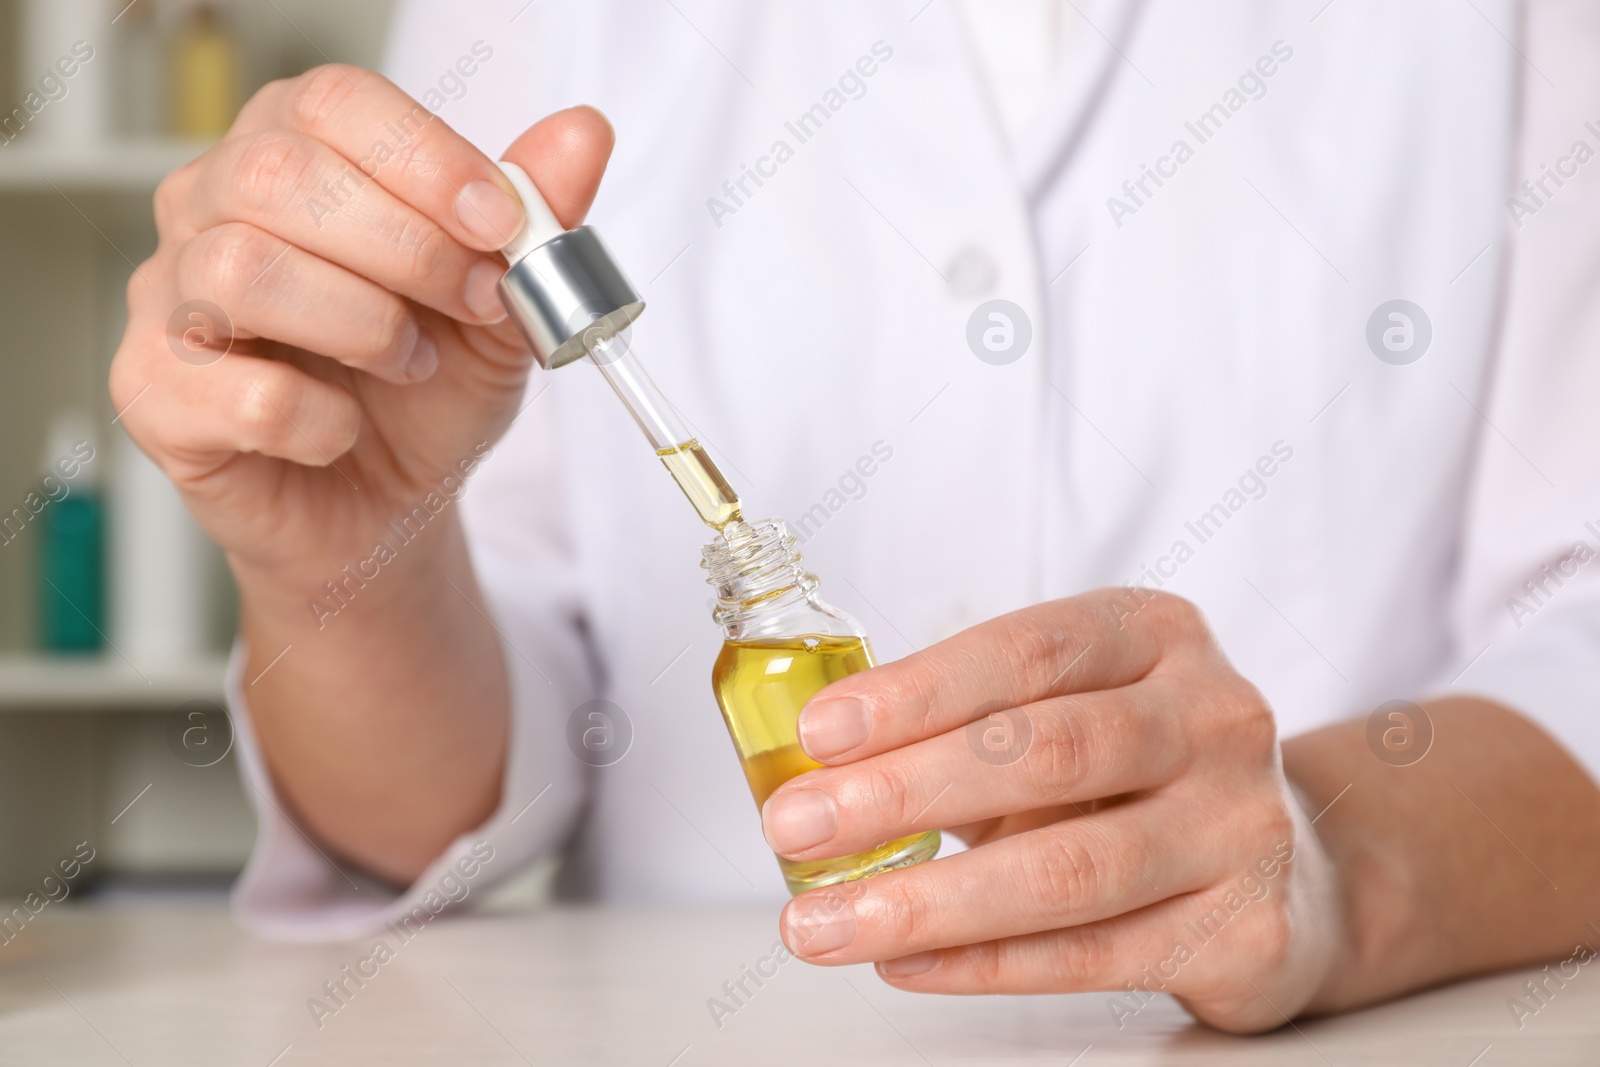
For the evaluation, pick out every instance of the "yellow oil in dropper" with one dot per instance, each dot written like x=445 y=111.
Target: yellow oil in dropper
x=691 y=467
x=680 y=451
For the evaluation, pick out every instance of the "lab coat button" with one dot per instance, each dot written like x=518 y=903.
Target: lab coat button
x=971 y=272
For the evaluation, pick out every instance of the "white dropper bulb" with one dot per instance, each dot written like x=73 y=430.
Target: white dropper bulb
x=540 y=223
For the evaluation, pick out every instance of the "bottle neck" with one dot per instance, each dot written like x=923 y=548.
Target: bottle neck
x=759 y=577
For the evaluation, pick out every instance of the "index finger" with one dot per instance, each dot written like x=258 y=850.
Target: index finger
x=395 y=141
x=1104 y=639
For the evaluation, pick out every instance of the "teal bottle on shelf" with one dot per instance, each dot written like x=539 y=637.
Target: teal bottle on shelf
x=72 y=572
x=71 y=559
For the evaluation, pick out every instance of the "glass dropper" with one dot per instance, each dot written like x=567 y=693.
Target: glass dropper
x=571 y=301
x=680 y=451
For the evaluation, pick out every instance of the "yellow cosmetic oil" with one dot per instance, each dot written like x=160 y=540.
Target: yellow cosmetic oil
x=713 y=498
x=761 y=687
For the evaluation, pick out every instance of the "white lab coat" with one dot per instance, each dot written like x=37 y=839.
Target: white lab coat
x=1215 y=322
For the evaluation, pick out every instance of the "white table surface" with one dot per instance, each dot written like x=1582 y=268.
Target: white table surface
x=172 y=986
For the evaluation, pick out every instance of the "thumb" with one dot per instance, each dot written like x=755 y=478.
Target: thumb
x=565 y=154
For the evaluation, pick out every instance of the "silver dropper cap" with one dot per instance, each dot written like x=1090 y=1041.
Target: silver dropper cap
x=562 y=289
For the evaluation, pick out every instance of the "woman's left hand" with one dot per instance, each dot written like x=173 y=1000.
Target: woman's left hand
x=1122 y=791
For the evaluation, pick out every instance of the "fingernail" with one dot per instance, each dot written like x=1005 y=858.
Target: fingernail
x=906 y=966
x=796 y=821
x=424 y=359
x=489 y=213
x=483 y=291
x=833 y=727
x=825 y=924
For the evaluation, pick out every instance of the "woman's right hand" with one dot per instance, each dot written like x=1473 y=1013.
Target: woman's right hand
x=349 y=236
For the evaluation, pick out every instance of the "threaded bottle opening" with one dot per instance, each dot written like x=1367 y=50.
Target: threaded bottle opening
x=753 y=566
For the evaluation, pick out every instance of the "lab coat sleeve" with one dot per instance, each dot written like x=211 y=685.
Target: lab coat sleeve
x=1528 y=613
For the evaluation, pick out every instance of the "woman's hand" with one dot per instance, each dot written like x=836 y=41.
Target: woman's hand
x=348 y=237
x=316 y=355
x=1122 y=790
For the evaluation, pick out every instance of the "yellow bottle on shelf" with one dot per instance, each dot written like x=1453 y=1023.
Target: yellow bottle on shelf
x=205 y=76
x=783 y=644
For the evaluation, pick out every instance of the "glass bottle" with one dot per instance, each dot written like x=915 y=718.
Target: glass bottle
x=205 y=75
x=782 y=645
x=72 y=548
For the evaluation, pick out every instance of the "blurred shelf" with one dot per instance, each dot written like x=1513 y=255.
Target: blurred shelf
x=32 y=682
x=116 y=166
